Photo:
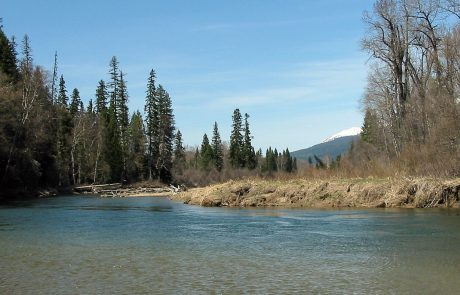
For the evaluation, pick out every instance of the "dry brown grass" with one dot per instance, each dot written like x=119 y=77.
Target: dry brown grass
x=315 y=193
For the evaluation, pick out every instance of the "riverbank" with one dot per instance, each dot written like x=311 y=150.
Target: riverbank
x=363 y=193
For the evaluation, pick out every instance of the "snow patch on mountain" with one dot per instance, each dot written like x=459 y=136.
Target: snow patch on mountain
x=347 y=132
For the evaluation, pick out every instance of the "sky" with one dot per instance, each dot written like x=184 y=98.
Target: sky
x=295 y=67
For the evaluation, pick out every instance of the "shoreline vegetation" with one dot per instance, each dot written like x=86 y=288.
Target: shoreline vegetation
x=330 y=193
x=52 y=140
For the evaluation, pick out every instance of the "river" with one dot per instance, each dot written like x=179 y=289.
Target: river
x=89 y=245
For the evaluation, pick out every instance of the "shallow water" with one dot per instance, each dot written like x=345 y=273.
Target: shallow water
x=88 y=245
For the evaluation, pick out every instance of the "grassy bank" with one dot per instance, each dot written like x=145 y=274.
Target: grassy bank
x=410 y=193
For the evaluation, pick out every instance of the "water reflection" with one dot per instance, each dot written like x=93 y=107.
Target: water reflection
x=147 y=245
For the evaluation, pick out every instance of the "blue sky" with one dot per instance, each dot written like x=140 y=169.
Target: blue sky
x=295 y=66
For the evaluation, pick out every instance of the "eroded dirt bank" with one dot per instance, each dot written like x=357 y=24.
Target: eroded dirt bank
x=411 y=193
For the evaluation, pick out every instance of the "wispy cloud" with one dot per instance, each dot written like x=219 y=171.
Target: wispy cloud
x=310 y=82
x=240 y=25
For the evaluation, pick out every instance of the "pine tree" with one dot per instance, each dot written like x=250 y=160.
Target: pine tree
x=64 y=131
x=287 y=161
x=196 y=158
x=62 y=95
x=90 y=108
x=123 y=120
x=236 y=141
x=368 y=131
x=113 y=151
x=270 y=161
x=206 y=153
x=249 y=155
x=101 y=98
x=179 y=162
x=136 y=151
x=151 y=123
x=166 y=135
x=8 y=60
x=217 y=149
x=26 y=61
x=75 y=102
x=114 y=83
x=122 y=104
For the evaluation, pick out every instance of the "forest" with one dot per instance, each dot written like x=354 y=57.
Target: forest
x=50 y=139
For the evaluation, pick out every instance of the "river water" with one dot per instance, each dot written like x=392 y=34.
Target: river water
x=89 y=245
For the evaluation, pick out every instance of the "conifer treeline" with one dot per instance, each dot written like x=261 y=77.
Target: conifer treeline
x=49 y=138
x=241 y=153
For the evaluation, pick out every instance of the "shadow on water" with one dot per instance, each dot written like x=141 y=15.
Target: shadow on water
x=125 y=208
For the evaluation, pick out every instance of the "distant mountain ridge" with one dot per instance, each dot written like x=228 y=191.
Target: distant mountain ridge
x=333 y=146
x=353 y=131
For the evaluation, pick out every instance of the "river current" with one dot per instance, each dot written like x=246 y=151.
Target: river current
x=90 y=245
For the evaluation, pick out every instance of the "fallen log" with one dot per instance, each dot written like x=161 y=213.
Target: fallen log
x=95 y=188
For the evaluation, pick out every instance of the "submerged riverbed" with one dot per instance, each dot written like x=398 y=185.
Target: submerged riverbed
x=88 y=245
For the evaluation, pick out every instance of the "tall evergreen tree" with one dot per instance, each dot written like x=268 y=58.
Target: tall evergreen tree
x=113 y=151
x=217 y=149
x=114 y=82
x=8 y=59
x=270 y=161
x=206 y=153
x=123 y=120
x=75 y=103
x=249 y=155
x=151 y=124
x=122 y=104
x=179 y=162
x=101 y=98
x=369 y=129
x=236 y=141
x=64 y=132
x=62 y=94
x=136 y=152
x=166 y=135
x=90 y=108
x=27 y=60
x=287 y=161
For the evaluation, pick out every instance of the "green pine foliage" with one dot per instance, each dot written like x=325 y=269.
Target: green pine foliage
x=206 y=153
x=8 y=59
x=180 y=161
x=136 y=148
x=217 y=149
x=368 y=130
x=101 y=98
x=236 y=155
x=75 y=102
x=151 y=123
x=113 y=151
x=62 y=94
x=166 y=135
x=249 y=155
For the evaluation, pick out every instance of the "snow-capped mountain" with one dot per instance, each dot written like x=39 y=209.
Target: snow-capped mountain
x=335 y=145
x=347 y=132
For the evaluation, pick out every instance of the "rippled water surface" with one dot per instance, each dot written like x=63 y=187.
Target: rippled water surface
x=88 y=245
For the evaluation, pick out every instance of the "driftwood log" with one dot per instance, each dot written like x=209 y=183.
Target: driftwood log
x=113 y=190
